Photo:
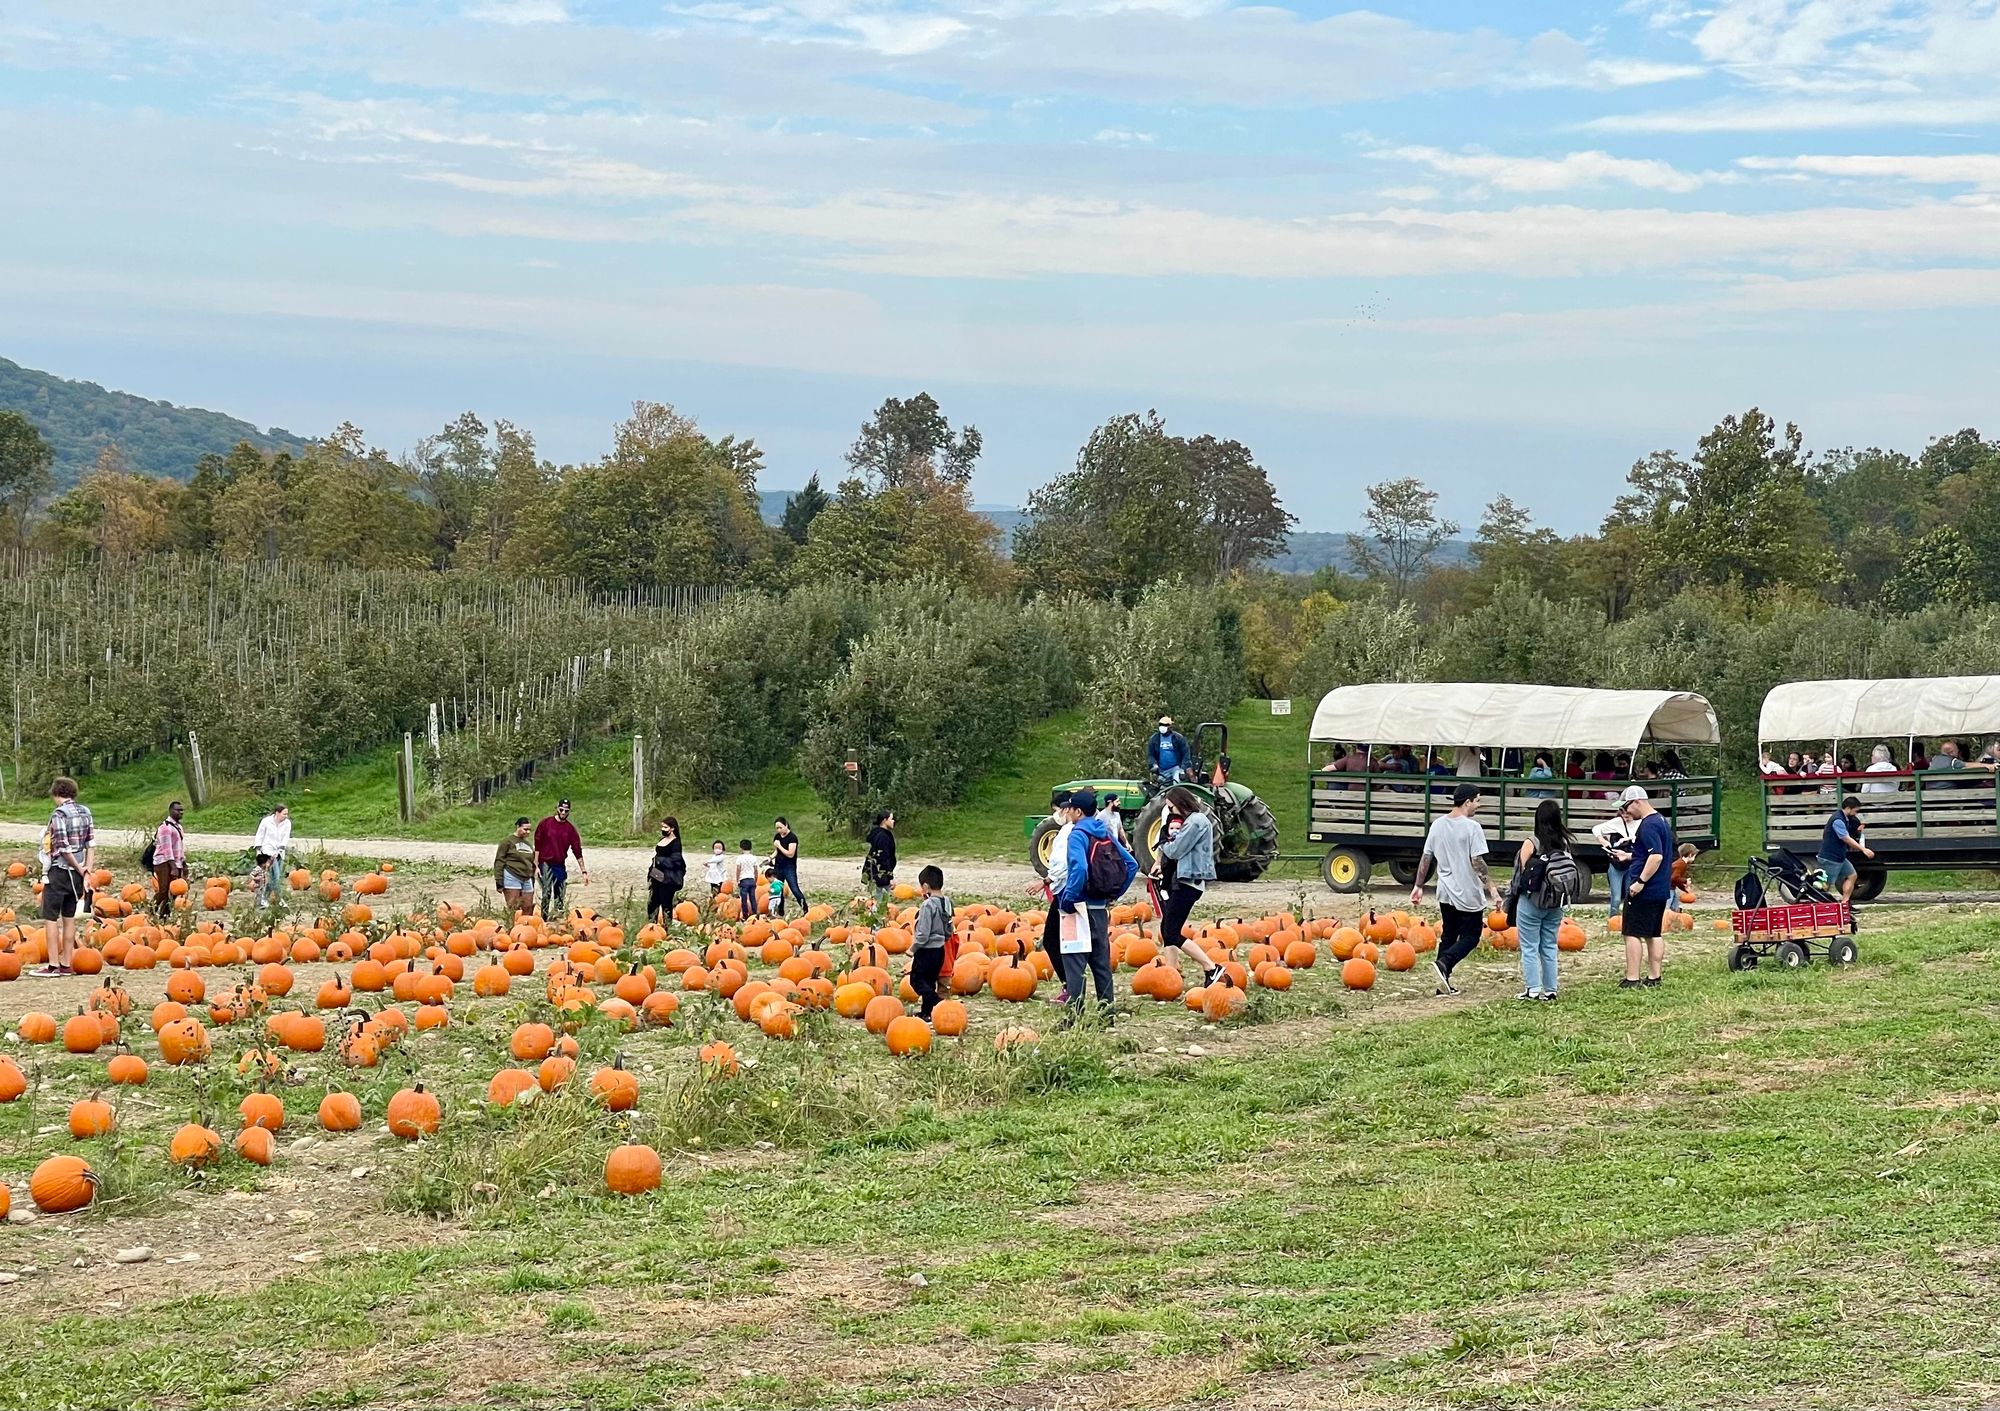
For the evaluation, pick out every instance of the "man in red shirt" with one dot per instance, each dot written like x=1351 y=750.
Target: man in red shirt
x=555 y=839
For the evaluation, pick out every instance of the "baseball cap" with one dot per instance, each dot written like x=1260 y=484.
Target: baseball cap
x=1166 y=720
x=1634 y=793
x=1084 y=800
x=1059 y=799
x=1464 y=794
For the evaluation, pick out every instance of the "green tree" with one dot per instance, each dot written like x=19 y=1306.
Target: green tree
x=1738 y=512
x=457 y=472
x=26 y=472
x=1142 y=505
x=668 y=505
x=912 y=442
x=803 y=508
x=899 y=534
x=1510 y=544
x=1404 y=534
x=1938 y=570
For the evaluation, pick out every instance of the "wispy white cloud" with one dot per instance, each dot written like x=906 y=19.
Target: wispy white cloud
x=1569 y=172
x=1980 y=170
x=1807 y=115
x=520 y=12
x=1121 y=136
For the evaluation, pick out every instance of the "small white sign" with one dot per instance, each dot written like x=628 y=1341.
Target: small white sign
x=1281 y=707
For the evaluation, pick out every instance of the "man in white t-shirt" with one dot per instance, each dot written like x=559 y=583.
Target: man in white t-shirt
x=1456 y=848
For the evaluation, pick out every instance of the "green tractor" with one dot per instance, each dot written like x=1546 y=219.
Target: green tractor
x=1246 y=832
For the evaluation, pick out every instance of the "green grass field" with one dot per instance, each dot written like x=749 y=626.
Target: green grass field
x=1766 y=1189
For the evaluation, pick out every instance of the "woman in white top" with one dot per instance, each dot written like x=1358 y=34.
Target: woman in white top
x=274 y=838
x=1616 y=834
x=1883 y=762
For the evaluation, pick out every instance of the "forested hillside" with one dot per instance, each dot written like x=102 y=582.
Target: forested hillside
x=80 y=420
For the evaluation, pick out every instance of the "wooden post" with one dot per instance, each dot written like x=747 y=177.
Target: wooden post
x=638 y=784
x=197 y=776
x=406 y=780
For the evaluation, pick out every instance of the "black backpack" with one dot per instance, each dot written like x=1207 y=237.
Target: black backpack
x=1561 y=881
x=1104 y=871
x=146 y=854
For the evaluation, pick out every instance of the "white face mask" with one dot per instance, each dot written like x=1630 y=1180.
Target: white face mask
x=1164 y=729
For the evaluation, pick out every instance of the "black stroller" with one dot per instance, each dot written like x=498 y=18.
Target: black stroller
x=1784 y=873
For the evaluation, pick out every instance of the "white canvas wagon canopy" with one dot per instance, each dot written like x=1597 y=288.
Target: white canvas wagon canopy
x=1857 y=710
x=1497 y=716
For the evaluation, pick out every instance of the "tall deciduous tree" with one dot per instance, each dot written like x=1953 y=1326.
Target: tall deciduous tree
x=911 y=442
x=1738 y=512
x=1404 y=533
x=1142 y=505
x=27 y=472
x=668 y=505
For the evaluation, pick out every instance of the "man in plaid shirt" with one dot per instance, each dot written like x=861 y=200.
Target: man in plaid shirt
x=66 y=893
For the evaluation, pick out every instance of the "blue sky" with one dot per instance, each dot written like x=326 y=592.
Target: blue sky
x=1505 y=247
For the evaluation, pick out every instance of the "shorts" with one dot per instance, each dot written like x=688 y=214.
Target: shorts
x=510 y=883
x=1644 y=918
x=62 y=895
x=1837 y=870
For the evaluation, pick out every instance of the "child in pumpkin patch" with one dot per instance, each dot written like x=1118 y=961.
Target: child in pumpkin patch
x=933 y=930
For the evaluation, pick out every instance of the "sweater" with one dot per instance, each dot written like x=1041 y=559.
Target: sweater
x=555 y=839
x=933 y=922
x=516 y=855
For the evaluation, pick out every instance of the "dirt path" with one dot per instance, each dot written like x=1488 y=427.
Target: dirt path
x=625 y=868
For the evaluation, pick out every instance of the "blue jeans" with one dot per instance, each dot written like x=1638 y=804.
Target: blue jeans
x=1538 y=926
x=1615 y=876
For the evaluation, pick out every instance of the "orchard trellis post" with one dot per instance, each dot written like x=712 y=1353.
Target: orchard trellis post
x=638 y=783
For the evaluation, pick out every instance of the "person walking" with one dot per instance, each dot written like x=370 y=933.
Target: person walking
x=716 y=870
x=1063 y=812
x=556 y=839
x=1168 y=752
x=514 y=868
x=1456 y=848
x=1546 y=880
x=1189 y=849
x=666 y=874
x=72 y=841
x=273 y=841
x=169 y=858
x=878 y=866
x=1648 y=885
x=1096 y=872
x=1839 y=842
x=785 y=863
x=932 y=933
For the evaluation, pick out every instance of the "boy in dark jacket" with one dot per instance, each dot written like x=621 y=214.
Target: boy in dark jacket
x=932 y=932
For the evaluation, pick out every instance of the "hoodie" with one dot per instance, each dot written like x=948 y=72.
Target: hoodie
x=1076 y=867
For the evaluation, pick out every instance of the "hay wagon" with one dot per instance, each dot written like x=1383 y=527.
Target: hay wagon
x=1373 y=815
x=1936 y=817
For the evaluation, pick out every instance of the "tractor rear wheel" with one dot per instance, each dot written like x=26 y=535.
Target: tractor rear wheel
x=1147 y=831
x=1256 y=817
x=1041 y=843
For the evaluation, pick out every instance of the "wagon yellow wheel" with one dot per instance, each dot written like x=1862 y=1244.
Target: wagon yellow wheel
x=1345 y=869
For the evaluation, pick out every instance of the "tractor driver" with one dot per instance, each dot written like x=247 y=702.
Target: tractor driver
x=1167 y=751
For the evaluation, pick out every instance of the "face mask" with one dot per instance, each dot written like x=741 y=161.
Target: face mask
x=1164 y=729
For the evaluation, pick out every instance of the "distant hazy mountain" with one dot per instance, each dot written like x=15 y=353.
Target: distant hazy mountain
x=1306 y=551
